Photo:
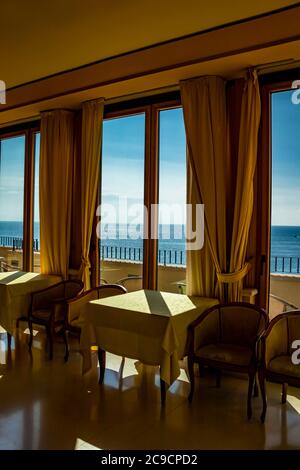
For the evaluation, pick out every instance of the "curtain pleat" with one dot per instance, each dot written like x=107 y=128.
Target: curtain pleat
x=219 y=176
x=92 y=117
x=204 y=108
x=56 y=171
x=246 y=164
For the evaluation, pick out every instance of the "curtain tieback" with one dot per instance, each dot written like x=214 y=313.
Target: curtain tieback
x=236 y=276
x=85 y=263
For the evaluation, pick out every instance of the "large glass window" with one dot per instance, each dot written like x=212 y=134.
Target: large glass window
x=122 y=199
x=285 y=228
x=12 y=160
x=36 y=210
x=172 y=201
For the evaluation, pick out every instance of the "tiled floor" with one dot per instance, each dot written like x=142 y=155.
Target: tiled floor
x=49 y=405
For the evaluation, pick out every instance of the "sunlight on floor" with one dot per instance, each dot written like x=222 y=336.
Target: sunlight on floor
x=27 y=332
x=183 y=376
x=83 y=445
x=126 y=367
x=294 y=402
x=2 y=352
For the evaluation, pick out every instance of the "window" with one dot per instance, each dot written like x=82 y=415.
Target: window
x=12 y=161
x=19 y=239
x=143 y=164
x=172 y=200
x=285 y=217
x=36 y=209
x=122 y=199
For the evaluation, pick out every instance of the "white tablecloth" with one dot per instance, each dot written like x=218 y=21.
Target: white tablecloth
x=150 y=326
x=15 y=290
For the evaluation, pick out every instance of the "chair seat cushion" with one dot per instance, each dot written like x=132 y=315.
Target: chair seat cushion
x=44 y=314
x=227 y=353
x=283 y=365
x=41 y=314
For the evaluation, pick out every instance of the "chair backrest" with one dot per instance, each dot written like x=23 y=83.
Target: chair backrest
x=237 y=323
x=241 y=323
x=76 y=305
x=108 y=290
x=280 y=334
x=61 y=290
x=72 y=287
x=131 y=283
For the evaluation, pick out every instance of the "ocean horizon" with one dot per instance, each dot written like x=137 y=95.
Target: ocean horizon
x=285 y=240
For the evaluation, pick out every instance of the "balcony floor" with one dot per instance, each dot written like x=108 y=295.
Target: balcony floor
x=49 y=405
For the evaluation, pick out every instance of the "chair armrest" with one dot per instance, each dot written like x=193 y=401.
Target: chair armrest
x=42 y=298
x=259 y=347
x=274 y=339
x=75 y=305
x=198 y=322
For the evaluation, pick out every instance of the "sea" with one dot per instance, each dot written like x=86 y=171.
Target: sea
x=125 y=242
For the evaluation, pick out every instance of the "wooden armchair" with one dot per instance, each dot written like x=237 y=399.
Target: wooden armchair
x=277 y=350
x=131 y=283
x=49 y=308
x=226 y=337
x=74 y=307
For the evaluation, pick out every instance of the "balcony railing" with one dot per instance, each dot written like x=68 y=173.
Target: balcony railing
x=125 y=253
x=16 y=243
x=285 y=264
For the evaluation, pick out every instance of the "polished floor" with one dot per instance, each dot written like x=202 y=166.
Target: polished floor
x=49 y=405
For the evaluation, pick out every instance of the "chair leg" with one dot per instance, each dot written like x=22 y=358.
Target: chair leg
x=31 y=334
x=50 y=340
x=162 y=391
x=65 y=337
x=191 y=376
x=250 y=389
x=8 y=340
x=262 y=386
x=102 y=360
x=255 y=389
x=218 y=378
x=284 y=393
x=201 y=370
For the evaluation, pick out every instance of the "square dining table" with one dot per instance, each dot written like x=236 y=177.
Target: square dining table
x=147 y=325
x=15 y=290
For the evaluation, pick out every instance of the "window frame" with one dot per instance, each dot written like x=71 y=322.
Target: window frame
x=269 y=84
x=27 y=130
x=151 y=107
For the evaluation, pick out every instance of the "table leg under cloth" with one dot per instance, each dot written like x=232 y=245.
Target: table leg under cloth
x=102 y=362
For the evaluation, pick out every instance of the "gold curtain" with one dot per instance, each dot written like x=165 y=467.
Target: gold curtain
x=244 y=195
x=92 y=117
x=56 y=171
x=204 y=108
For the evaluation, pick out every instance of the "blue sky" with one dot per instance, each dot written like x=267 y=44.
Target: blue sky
x=123 y=163
x=285 y=160
x=12 y=178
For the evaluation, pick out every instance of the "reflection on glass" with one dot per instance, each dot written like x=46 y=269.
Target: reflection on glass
x=12 y=156
x=172 y=201
x=122 y=199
